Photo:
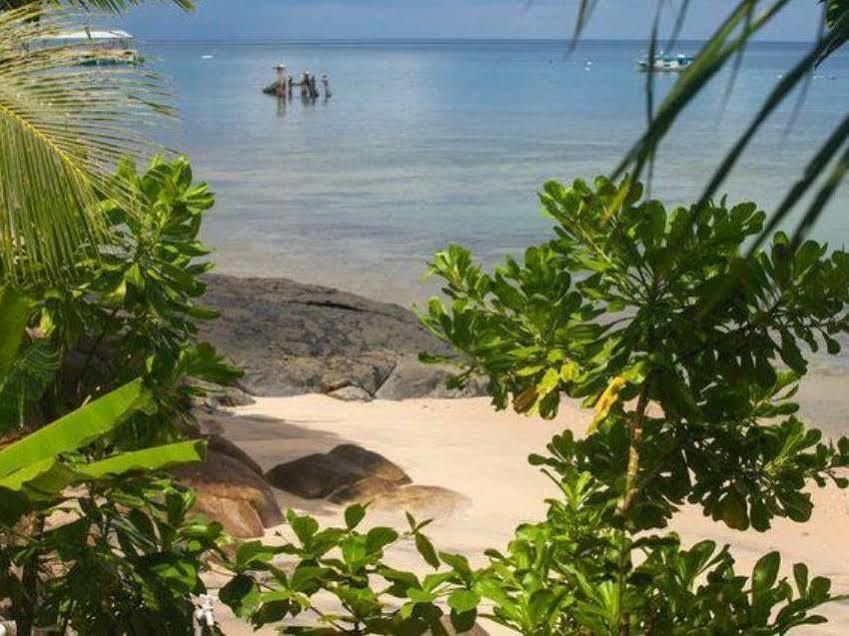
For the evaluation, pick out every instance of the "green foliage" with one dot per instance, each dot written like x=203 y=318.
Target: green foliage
x=149 y=270
x=690 y=354
x=125 y=558
x=61 y=130
x=350 y=565
x=134 y=308
x=114 y=360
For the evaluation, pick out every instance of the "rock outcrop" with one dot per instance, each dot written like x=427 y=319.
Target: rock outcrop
x=352 y=474
x=292 y=338
x=322 y=475
x=230 y=489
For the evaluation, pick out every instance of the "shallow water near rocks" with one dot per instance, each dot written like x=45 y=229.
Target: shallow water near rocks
x=427 y=143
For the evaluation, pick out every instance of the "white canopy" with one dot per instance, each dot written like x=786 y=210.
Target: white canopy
x=90 y=34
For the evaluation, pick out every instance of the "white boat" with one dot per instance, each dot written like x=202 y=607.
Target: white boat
x=96 y=47
x=666 y=63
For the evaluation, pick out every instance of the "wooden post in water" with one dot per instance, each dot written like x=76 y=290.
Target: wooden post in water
x=279 y=87
x=281 y=80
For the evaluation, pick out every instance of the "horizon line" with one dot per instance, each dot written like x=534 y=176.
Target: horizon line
x=422 y=39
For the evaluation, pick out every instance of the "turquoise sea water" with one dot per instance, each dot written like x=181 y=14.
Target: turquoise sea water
x=427 y=143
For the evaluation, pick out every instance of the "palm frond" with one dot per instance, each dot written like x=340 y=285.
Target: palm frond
x=729 y=38
x=114 y=6
x=585 y=12
x=62 y=130
x=728 y=44
x=33 y=372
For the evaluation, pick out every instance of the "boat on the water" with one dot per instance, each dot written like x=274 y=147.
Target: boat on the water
x=666 y=63
x=101 y=47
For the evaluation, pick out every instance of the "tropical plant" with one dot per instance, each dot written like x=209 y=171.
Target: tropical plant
x=72 y=124
x=658 y=322
x=350 y=566
x=133 y=306
x=36 y=473
x=144 y=585
x=92 y=538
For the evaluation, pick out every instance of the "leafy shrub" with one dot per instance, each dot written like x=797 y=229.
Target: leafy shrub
x=131 y=312
x=349 y=565
x=133 y=309
x=114 y=359
x=127 y=556
x=660 y=324
x=676 y=339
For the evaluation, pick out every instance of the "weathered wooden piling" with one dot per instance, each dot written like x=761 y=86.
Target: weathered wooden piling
x=285 y=83
x=278 y=87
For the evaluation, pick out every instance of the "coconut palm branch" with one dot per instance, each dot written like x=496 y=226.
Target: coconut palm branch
x=62 y=130
x=115 y=6
x=725 y=47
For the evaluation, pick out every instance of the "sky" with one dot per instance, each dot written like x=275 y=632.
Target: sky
x=306 y=19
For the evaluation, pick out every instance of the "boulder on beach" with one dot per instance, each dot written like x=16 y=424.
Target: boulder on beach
x=420 y=501
x=318 y=475
x=292 y=338
x=366 y=489
x=370 y=463
x=230 y=491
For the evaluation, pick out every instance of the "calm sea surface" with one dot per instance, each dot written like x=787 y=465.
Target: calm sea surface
x=427 y=143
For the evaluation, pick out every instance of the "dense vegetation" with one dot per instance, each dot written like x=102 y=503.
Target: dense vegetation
x=686 y=340
x=690 y=354
x=94 y=536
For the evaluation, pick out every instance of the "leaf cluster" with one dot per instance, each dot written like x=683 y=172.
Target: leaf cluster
x=351 y=566
x=689 y=352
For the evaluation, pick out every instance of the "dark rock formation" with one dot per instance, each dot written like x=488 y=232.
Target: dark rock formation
x=292 y=338
x=321 y=474
x=370 y=463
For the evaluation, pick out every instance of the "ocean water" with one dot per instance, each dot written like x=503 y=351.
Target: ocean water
x=428 y=143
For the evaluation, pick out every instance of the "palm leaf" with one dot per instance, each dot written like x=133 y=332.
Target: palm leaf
x=729 y=38
x=62 y=130
x=727 y=44
x=114 y=6
x=33 y=372
x=14 y=314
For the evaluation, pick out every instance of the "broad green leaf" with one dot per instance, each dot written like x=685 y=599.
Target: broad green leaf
x=463 y=601
x=147 y=460
x=426 y=549
x=14 y=313
x=77 y=429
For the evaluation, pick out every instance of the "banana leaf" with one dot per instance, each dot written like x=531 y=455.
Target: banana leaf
x=77 y=429
x=14 y=313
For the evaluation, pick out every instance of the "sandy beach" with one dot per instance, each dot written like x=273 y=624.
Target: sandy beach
x=465 y=446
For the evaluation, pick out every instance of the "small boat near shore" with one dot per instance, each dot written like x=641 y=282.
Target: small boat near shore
x=102 y=47
x=665 y=63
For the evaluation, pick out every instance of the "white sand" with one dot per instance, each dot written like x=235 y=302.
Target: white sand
x=465 y=446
